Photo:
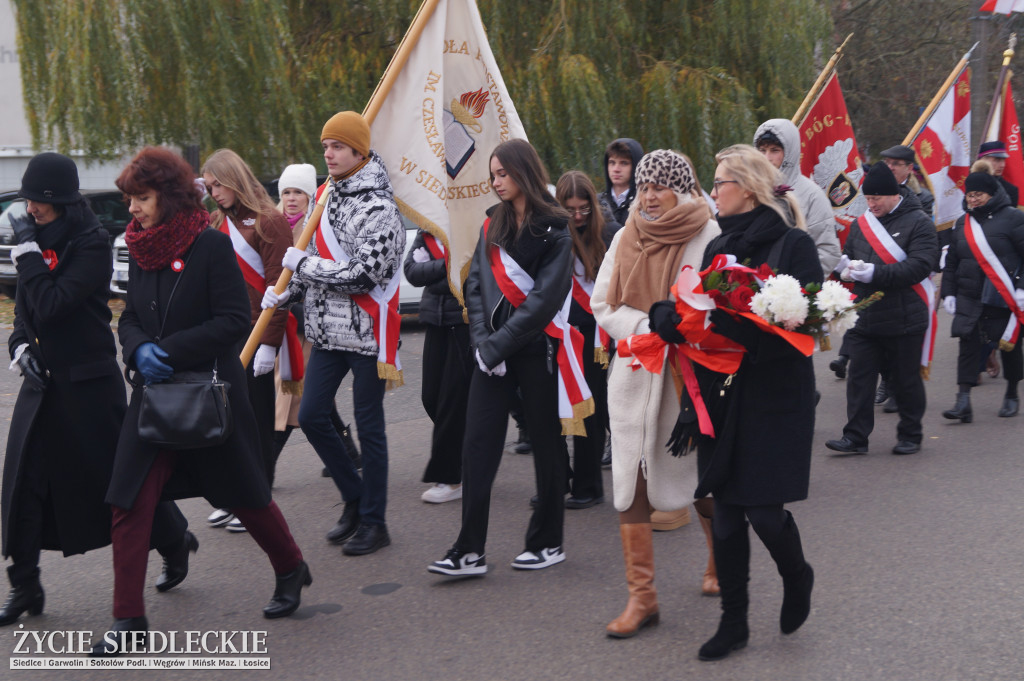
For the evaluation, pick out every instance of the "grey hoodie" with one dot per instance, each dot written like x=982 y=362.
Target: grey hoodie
x=817 y=209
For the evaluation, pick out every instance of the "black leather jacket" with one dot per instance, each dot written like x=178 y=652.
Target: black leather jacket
x=497 y=330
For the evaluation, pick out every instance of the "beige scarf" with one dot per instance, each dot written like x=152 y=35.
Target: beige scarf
x=650 y=253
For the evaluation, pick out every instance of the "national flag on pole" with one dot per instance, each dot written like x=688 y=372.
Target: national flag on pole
x=1002 y=6
x=445 y=113
x=829 y=154
x=1005 y=128
x=944 y=150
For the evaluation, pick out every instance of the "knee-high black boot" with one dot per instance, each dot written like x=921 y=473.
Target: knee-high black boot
x=732 y=558
x=797 y=576
x=26 y=594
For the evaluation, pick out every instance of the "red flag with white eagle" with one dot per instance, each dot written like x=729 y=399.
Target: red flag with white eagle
x=944 y=149
x=829 y=154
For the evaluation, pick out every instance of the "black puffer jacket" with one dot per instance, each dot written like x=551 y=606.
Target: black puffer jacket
x=963 y=277
x=497 y=330
x=438 y=307
x=900 y=311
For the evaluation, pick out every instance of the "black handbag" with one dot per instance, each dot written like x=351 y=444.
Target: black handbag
x=190 y=410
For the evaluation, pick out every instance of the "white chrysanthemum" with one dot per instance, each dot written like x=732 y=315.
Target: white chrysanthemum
x=843 y=323
x=790 y=310
x=781 y=301
x=832 y=300
x=759 y=305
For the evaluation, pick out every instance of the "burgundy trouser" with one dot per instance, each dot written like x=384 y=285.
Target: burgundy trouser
x=131 y=528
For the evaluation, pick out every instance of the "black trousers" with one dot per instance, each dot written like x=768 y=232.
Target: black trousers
x=975 y=348
x=263 y=397
x=869 y=355
x=34 y=513
x=587 y=451
x=447 y=370
x=486 y=424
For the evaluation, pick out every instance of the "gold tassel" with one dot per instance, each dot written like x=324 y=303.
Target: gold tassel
x=392 y=374
x=1006 y=346
x=824 y=342
x=926 y=372
x=292 y=388
x=574 y=425
x=601 y=357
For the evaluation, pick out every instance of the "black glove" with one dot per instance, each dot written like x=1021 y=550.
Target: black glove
x=736 y=329
x=664 y=319
x=32 y=370
x=24 y=228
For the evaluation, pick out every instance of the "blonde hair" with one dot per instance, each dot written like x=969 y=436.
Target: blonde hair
x=232 y=172
x=755 y=174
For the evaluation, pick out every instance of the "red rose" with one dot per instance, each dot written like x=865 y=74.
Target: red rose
x=740 y=299
x=739 y=278
x=718 y=297
x=763 y=272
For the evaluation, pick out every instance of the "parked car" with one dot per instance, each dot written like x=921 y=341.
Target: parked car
x=109 y=207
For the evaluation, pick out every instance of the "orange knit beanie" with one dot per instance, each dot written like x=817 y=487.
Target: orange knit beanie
x=351 y=128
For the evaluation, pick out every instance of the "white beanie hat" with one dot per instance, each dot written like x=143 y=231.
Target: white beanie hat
x=301 y=176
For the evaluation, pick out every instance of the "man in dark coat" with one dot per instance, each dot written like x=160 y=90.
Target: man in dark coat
x=65 y=425
x=892 y=248
x=620 y=159
x=900 y=160
x=995 y=153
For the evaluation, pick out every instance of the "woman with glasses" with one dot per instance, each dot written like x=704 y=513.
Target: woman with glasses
x=668 y=227
x=590 y=239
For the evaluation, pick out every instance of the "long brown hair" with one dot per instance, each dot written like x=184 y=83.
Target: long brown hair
x=235 y=174
x=587 y=243
x=523 y=165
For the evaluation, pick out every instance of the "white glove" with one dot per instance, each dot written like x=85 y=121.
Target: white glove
x=271 y=299
x=15 y=367
x=480 y=363
x=864 y=274
x=949 y=302
x=292 y=257
x=843 y=263
x=263 y=362
x=1018 y=295
x=421 y=255
x=22 y=249
x=942 y=258
x=500 y=369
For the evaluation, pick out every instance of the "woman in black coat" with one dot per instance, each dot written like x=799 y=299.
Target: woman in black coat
x=762 y=455
x=980 y=315
x=526 y=232
x=187 y=310
x=64 y=429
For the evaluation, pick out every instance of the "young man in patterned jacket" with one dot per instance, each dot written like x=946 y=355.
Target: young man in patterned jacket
x=345 y=276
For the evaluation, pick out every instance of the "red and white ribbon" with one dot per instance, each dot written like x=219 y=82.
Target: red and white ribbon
x=380 y=304
x=582 y=291
x=996 y=273
x=575 y=401
x=890 y=252
x=251 y=264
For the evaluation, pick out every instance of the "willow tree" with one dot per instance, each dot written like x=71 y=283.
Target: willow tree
x=261 y=76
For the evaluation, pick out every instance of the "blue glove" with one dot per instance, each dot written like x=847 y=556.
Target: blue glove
x=147 y=360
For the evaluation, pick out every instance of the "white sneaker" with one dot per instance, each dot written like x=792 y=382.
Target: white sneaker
x=528 y=560
x=220 y=518
x=457 y=564
x=440 y=493
x=235 y=526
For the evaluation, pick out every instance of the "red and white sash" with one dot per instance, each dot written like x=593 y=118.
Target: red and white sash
x=435 y=247
x=996 y=274
x=582 y=290
x=380 y=304
x=251 y=264
x=575 y=401
x=889 y=251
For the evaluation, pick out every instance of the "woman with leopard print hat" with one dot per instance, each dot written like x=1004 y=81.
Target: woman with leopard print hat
x=668 y=228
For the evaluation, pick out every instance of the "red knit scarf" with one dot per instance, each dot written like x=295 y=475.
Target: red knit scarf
x=156 y=247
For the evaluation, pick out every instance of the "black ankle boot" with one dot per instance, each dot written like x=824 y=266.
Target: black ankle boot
x=126 y=635
x=176 y=562
x=1011 y=405
x=732 y=560
x=288 y=592
x=962 y=409
x=797 y=576
x=25 y=595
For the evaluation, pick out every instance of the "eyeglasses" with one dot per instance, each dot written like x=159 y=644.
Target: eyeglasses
x=579 y=211
x=719 y=183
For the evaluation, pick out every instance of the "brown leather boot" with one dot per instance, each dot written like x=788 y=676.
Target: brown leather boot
x=642 y=608
x=709 y=587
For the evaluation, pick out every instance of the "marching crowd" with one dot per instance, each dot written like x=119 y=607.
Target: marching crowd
x=557 y=276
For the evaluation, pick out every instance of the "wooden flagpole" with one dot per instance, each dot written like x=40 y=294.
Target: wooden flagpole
x=1000 y=90
x=380 y=93
x=812 y=94
x=934 y=104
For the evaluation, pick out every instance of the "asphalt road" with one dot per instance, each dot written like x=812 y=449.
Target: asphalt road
x=917 y=558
